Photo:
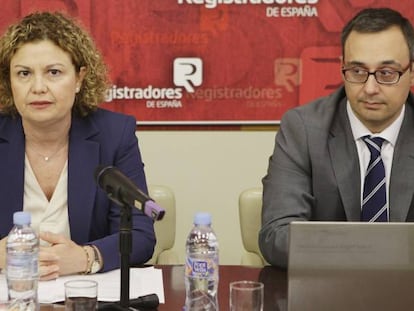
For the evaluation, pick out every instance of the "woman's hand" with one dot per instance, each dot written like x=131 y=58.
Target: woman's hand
x=61 y=257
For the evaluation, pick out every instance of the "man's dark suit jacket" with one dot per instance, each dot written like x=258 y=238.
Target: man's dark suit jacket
x=314 y=173
x=103 y=138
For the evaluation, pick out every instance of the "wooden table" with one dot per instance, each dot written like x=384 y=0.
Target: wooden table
x=274 y=279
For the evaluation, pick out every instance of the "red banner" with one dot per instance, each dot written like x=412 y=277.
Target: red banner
x=213 y=61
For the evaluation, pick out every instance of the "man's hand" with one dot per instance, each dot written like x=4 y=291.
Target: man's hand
x=62 y=257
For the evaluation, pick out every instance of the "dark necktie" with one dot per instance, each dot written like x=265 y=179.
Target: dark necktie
x=374 y=202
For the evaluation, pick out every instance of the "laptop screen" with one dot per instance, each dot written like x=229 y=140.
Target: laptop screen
x=350 y=266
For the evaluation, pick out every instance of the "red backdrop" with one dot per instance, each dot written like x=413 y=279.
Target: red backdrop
x=241 y=62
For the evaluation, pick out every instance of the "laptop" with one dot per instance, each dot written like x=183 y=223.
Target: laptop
x=343 y=266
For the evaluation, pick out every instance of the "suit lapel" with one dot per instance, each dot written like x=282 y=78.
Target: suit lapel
x=83 y=159
x=345 y=163
x=402 y=172
x=12 y=171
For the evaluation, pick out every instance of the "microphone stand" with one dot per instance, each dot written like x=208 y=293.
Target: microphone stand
x=125 y=247
x=147 y=302
x=124 y=192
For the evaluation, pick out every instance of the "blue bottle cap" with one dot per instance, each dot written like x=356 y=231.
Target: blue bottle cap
x=202 y=218
x=21 y=218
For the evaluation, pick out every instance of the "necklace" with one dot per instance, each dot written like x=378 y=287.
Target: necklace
x=47 y=158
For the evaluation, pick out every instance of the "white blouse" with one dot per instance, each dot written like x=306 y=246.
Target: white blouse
x=47 y=215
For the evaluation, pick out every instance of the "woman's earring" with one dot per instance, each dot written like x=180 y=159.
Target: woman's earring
x=77 y=89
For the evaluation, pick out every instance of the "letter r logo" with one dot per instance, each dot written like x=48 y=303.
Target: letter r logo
x=188 y=72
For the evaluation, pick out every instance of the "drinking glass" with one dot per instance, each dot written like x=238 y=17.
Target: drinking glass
x=246 y=296
x=81 y=295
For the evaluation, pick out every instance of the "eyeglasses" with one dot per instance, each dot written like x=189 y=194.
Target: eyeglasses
x=382 y=76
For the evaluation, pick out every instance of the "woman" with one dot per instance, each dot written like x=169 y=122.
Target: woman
x=52 y=137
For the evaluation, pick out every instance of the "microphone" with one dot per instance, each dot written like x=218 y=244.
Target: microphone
x=123 y=191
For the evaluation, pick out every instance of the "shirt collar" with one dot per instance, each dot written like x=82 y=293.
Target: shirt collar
x=359 y=130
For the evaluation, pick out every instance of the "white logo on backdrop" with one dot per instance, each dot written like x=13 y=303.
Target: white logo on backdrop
x=188 y=72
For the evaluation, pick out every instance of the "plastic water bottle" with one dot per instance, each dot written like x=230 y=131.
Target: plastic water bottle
x=22 y=275
x=202 y=266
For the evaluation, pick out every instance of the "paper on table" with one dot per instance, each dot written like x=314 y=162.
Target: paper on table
x=3 y=287
x=143 y=281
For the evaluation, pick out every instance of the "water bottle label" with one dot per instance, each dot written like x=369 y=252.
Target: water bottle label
x=201 y=268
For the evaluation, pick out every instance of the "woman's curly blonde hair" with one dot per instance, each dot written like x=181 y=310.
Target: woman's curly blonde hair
x=70 y=37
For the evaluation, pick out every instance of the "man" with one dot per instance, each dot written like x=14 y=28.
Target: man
x=323 y=150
